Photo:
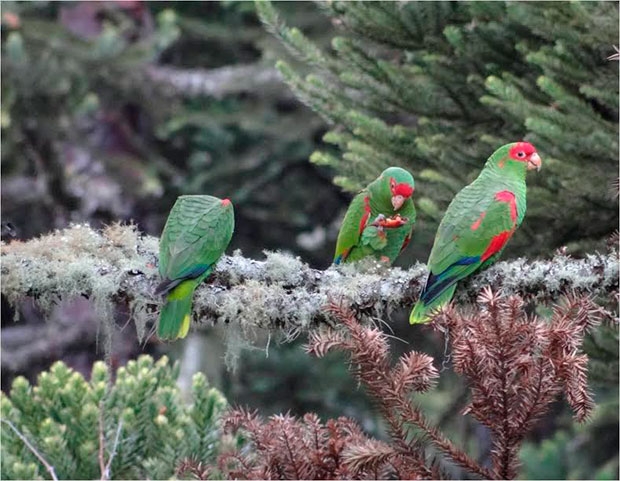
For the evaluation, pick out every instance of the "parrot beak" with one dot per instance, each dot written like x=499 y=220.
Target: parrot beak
x=534 y=162
x=397 y=201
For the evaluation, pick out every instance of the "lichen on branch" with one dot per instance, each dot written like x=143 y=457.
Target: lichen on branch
x=281 y=293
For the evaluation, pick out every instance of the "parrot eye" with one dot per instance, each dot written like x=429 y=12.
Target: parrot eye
x=521 y=154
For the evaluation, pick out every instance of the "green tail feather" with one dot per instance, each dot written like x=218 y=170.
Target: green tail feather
x=175 y=316
x=422 y=311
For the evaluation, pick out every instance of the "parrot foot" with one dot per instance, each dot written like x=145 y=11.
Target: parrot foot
x=383 y=222
x=378 y=222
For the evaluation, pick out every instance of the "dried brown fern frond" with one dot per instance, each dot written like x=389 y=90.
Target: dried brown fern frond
x=518 y=364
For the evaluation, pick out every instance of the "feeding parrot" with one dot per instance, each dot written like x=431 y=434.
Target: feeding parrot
x=196 y=234
x=478 y=223
x=379 y=220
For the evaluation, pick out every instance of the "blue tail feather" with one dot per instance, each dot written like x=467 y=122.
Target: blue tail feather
x=436 y=283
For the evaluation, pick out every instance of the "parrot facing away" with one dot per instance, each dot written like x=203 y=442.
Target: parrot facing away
x=478 y=223
x=379 y=220
x=196 y=234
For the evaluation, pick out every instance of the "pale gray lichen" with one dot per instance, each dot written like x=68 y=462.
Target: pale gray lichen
x=78 y=261
x=280 y=293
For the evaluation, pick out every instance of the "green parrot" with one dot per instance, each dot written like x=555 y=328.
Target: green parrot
x=379 y=220
x=196 y=234
x=478 y=223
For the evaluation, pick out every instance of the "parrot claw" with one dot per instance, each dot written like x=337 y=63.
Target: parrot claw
x=382 y=222
x=379 y=220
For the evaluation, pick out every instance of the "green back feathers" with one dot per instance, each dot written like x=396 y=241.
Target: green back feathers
x=196 y=234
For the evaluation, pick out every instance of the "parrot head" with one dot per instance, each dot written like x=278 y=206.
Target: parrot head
x=517 y=154
x=401 y=185
x=398 y=184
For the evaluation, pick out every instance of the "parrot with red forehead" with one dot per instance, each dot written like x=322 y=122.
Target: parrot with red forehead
x=478 y=223
x=379 y=220
x=196 y=234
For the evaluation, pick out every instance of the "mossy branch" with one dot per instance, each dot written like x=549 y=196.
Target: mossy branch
x=280 y=293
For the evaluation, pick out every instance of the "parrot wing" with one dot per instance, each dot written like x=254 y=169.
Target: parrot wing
x=475 y=228
x=197 y=233
x=353 y=224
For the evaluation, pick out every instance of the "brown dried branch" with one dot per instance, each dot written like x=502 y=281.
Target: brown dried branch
x=196 y=469
x=517 y=365
x=392 y=389
x=284 y=447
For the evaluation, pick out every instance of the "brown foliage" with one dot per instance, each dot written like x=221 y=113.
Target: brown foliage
x=285 y=447
x=516 y=365
x=193 y=469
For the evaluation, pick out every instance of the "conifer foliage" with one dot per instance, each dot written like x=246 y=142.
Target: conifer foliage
x=438 y=86
x=516 y=366
x=136 y=428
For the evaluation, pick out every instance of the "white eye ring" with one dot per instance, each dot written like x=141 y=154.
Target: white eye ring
x=520 y=154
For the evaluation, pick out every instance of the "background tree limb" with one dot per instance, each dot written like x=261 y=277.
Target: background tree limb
x=219 y=82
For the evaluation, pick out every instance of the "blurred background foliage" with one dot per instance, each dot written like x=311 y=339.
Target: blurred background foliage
x=104 y=118
x=438 y=86
x=110 y=110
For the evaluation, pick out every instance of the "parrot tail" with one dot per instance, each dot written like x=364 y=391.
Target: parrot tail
x=175 y=316
x=422 y=311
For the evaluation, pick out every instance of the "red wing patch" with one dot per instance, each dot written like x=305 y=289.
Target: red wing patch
x=478 y=221
x=405 y=243
x=364 y=219
x=509 y=197
x=496 y=244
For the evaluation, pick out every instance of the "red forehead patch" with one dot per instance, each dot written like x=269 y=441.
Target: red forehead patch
x=402 y=189
x=525 y=147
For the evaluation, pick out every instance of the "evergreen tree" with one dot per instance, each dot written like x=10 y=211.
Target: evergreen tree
x=438 y=86
x=134 y=428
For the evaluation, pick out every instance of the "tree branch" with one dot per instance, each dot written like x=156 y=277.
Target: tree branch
x=119 y=265
x=219 y=82
x=48 y=466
